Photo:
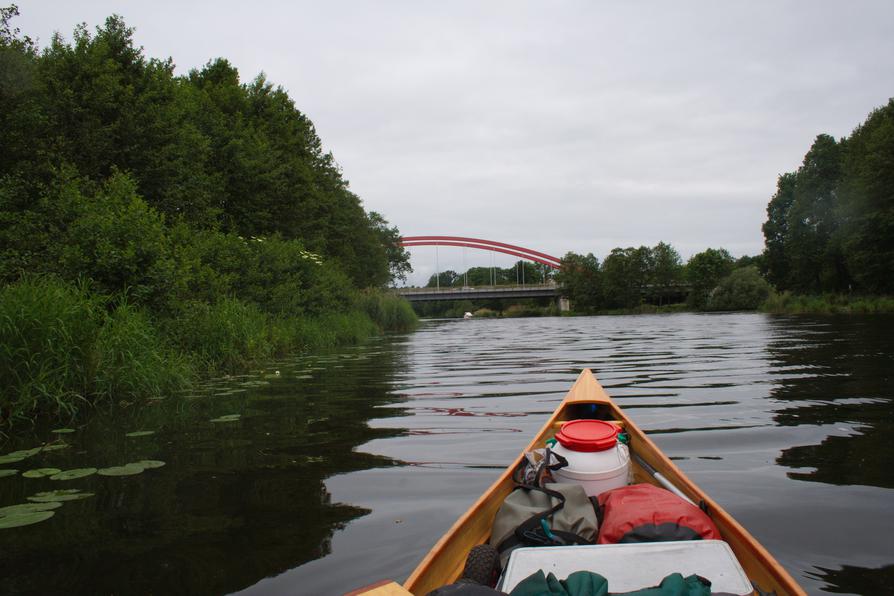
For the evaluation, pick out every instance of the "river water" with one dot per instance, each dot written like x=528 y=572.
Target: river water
x=342 y=469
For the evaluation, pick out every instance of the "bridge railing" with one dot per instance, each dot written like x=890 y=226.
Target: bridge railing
x=478 y=288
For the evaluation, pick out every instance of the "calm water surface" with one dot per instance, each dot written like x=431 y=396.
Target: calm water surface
x=345 y=468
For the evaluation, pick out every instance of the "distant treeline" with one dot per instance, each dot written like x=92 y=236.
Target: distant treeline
x=630 y=277
x=195 y=215
x=829 y=235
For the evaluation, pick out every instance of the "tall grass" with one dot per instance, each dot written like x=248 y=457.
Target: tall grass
x=389 y=311
x=228 y=335
x=827 y=304
x=48 y=330
x=63 y=347
x=60 y=349
x=290 y=334
x=133 y=360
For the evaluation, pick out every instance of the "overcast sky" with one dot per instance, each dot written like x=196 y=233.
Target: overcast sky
x=560 y=126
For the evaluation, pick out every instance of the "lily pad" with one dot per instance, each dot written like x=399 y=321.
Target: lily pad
x=55 y=446
x=24 y=452
x=227 y=418
x=62 y=431
x=72 y=474
x=9 y=472
x=125 y=470
x=41 y=472
x=150 y=464
x=140 y=433
x=29 y=508
x=24 y=519
x=67 y=494
x=9 y=459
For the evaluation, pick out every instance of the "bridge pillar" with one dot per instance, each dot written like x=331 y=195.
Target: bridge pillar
x=564 y=304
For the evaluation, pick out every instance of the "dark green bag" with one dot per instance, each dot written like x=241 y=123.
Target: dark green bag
x=587 y=583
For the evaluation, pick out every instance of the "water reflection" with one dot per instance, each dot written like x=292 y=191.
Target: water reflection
x=832 y=367
x=858 y=580
x=235 y=502
x=346 y=469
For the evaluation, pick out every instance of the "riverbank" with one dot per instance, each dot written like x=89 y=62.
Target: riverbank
x=827 y=304
x=784 y=303
x=64 y=347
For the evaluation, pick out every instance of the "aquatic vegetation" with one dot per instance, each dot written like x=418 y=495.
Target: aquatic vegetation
x=41 y=472
x=66 y=494
x=73 y=474
x=54 y=446
x=125 y=470
x=25 y=518
x=227 y=418
x=62 y=431
x=140 y=433
x=29 y=507
x=131 y=469
x=9 y=459
x=8 y=472
x=151 y=464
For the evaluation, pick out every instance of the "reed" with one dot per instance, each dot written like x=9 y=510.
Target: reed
x=228 y=335
x=48 y=329
x=389 y=311
x=133 y=360
x=826 y=304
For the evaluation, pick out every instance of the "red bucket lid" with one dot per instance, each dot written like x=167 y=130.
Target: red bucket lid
x=588 y=435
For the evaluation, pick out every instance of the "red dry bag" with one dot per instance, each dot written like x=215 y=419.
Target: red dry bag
x=646 y=513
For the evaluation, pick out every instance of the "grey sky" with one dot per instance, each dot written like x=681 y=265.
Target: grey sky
x=555 y=125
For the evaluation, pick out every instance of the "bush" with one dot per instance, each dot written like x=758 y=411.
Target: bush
x=120 y=243
x=743 y=289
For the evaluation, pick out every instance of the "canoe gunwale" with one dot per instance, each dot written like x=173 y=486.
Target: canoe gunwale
x=444 y=562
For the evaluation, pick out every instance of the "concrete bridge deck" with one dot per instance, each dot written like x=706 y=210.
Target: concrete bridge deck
x=479 y=292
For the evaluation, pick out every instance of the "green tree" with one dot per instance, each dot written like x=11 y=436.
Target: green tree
x=816 y=262
x=444 y=279
x=867 y=198
x=581 y=281
x=776 y=231
x=626 y=272
x=667 y=271
x=704 y=271
x=120 y=243
x=743 y=289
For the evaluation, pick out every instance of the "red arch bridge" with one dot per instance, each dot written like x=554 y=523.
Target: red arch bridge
x=488 y=292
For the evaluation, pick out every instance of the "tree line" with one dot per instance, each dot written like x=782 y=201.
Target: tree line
x=830 y=224
x=178 y=223
x=829 y=230
x=630 y=277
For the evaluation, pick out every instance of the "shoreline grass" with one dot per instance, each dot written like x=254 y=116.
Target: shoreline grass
x=827 y=304
x=64 y=348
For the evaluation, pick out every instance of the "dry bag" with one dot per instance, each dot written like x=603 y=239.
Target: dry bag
x=646 y=513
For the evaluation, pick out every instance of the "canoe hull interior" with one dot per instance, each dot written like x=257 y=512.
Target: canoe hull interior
x=587 y=399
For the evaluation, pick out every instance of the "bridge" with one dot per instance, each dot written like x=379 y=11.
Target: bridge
x=481 y=293
x=481 y=244
x=549 y=290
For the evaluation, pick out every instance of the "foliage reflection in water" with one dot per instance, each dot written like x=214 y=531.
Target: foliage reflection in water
x=233 y=503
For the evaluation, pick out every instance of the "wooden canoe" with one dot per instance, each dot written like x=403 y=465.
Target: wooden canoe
x=444 y=563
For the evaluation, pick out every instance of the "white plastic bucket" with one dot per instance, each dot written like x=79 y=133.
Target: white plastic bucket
x=596 y=460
